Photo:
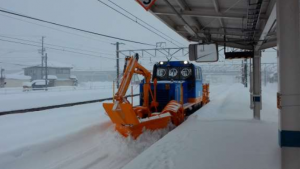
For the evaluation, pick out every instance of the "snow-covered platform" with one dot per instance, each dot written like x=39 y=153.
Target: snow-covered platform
x=221 y=135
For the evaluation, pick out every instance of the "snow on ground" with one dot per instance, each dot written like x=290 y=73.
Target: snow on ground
x=70 y=138
x=73 y=137
x=82 y=137
x=34 y=99
x=81 y=86
x=220 y=135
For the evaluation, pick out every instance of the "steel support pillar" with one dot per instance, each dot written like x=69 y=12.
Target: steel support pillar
x=251 y=84
x=288 y=56
x=256 y=85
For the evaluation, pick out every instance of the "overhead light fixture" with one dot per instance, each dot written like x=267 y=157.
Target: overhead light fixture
x=189 y=30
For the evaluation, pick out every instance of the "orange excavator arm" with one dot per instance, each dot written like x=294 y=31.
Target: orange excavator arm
x=134 y=67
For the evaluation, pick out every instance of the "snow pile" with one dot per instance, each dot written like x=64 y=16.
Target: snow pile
x=146 y=139
x=117 y=151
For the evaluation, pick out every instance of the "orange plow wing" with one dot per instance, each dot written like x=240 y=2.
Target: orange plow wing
x=127 y=122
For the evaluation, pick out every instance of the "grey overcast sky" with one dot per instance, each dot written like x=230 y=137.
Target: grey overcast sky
x=84 y=14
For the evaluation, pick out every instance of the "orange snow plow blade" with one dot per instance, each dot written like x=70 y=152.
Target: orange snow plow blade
x=127 y=122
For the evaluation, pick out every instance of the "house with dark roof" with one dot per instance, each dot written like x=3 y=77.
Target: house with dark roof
x=36 y=71
x=59 y=74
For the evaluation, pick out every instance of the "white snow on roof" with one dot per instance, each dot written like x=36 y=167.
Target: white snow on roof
x=51 y=77
x=39 y=82
x=17 y=76
x=53 y=64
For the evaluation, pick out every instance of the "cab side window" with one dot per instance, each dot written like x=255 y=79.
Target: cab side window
x=198 y=75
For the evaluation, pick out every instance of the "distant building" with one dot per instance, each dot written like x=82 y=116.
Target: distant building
x=16 y=80
x=61 y=71
x=2 y=82
x=58 y=74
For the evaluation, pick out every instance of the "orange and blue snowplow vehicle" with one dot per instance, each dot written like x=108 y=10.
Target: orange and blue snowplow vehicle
x=169 y=95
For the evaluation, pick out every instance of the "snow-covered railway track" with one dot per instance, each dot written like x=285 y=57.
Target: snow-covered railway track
x=57 y=106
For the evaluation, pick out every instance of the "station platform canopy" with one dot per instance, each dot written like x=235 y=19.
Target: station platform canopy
x=243 y=24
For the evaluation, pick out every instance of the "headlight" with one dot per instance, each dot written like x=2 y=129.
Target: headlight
x=161 y=63
x=185 y=62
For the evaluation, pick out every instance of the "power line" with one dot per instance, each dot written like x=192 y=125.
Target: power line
x=21 y=57
x=80 y=45
x=136 y=22
x=57 y=49
x=14 y=64
x=56 y=45
x=146 y=23
x=73 y=28
x=55 y=29
x=79 y=49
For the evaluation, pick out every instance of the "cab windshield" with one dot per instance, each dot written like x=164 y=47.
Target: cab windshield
x=173 y=73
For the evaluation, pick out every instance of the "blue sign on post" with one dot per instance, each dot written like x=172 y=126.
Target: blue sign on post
x=256 y=99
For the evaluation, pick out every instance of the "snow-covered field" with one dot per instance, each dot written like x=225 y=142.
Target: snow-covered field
x=81 y=86
x=34 y=99
x=73 y=137
x=82 y=137
x=70 y=138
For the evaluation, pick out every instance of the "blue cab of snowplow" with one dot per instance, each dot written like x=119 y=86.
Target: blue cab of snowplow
x=176 y=80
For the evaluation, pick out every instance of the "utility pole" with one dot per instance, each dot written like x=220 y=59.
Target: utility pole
x=46 y=71
x=117 y=61
x=2 y=83
x=42 y=54
x=251 y=84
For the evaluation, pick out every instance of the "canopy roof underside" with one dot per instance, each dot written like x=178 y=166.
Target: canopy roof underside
x=244 y=24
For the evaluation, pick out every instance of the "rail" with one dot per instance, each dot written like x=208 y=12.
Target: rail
x=57 y=106
x=19 y=90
